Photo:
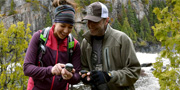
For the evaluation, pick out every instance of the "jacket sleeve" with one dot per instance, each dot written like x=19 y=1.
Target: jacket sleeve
x=129 y=74
x=77 y=65
x=30 y=68
x=84 y=61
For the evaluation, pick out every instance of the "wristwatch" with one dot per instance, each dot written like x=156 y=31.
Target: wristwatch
x=110 y=74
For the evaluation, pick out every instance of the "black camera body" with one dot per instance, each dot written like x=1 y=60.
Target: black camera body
x=69 y=67
x=84 y=71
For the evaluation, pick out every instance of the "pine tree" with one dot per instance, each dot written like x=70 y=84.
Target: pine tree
x=12 y=11
x=145 y=27
x=13 y=41
x=117 y=25
x=128 y=30
x=132 y=19
x=154 y=5
x=48 y=20
x=123 y=14
x=167 y=31
x=150 y=15
x=141 y=33
x=130 y=15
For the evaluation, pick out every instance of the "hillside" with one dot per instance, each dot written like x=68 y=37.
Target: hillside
x=137 y=14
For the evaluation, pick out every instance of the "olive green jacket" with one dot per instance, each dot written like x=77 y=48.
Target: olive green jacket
x=118 y=56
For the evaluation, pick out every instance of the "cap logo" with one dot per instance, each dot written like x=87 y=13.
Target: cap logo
x=90 y=11
x=105 y=11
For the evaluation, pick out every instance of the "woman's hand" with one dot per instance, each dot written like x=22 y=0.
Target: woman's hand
x=56 y=70
x=66 y=75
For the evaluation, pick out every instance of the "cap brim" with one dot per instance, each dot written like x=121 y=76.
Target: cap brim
x=92 y=18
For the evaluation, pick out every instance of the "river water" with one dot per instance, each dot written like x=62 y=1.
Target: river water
x=147 y=82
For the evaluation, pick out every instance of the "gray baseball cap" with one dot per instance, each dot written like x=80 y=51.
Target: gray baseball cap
x=96 y=11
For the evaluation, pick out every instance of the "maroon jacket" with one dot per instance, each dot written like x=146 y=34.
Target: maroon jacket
x=42 y=76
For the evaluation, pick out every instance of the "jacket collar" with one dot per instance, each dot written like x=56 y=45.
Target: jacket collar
x=53 y=42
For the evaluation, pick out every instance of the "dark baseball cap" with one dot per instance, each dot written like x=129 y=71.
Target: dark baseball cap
x=96 y=11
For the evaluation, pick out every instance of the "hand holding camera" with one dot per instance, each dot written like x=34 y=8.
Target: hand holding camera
x=95 y=77
x=100 y=77
x=56 y=69
x=67 y=71
x=84 y=72
x=85 y=77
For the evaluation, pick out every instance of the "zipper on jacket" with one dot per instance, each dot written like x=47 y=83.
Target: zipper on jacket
x=107 y=58
x=55 y=64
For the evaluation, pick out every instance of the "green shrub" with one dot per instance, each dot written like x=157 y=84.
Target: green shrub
x=143 y=43
x=167 y=31
x=14 y=42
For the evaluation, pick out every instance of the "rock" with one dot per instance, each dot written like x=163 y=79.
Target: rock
x=19 y=2
x=81 y=86
x=142 y=73
x=146 y=64
x=26 y=12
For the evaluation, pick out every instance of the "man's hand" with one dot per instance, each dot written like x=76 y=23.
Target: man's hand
x=100 y=77
x=85 y=76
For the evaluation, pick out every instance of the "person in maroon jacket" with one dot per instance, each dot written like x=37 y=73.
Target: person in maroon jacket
x=47 y=77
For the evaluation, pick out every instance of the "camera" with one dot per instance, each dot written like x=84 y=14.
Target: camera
x=69 y=67
x=84 y=71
